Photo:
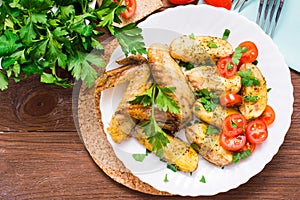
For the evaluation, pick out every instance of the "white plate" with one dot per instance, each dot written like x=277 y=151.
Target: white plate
x=206 y=20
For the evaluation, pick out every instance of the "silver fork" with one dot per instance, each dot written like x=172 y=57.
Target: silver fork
x=237 y=3
x=265 y=19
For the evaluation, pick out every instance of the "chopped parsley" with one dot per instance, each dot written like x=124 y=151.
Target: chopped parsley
x=237 y=156
x=238 y=52
x=140 y=156
x=172 y=167
x=247 y=78
x=192 y=36
x=226 y=34
x=202 y=180
x=211 y=44
x=166 y=178
x=251 y=98
x=211 y=130
x=208 y=99
x=187 y=66
x=195 y=147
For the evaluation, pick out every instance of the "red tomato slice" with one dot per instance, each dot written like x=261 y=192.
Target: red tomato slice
x=178 y=2
x=268 y=116
x=251 y=54
x=130 y=8
x=220 y=3
x=234 y=125
x=232 y=143
x=230 y=100
x=226 y=68
x=256 y=131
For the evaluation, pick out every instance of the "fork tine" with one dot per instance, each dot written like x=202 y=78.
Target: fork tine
x=271 y=15
x=277 y=17
x=237 y=3
x=265 y=13
x=259 y=11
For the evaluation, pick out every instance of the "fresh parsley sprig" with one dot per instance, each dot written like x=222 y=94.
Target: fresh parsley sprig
x=161 y=98
x=45 y=37
x=247 y=78
x=208 y=99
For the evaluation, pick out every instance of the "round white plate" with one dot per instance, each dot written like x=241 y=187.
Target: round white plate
x=205 y=20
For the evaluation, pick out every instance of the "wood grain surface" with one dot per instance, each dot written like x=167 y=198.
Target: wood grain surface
x=42 y=156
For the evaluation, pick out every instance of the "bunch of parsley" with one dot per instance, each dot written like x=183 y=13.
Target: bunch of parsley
x=44 y=36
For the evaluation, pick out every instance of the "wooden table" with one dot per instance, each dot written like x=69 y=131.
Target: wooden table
x=42 y=157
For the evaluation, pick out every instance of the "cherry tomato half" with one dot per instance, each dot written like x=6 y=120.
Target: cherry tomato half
x=130 y=8
x=230 y=100
x=256 y=131
x=232 y=143
x=251 y=54
x=220 y=3
x=234 y=125
x=178 y=2
x=226 y=67
x=268 y=116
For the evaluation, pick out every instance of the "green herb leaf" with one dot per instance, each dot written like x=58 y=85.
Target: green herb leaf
x=187 y=66
x=8 y=43
x=238 y=52
x=130 y=39
x=247 y=78
x=237 y=156
x=139 y=157
x=211 y=44
x=3 y=81
x=165 y=102
x=211 y=130
x=192 y=36
x=250 y=98
x=172 y=167
x=166 y=178
x=226 y=34
x=202 y=180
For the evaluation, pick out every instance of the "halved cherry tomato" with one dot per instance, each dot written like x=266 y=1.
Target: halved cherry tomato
x=256 y=131
x=220 y=3
x=232 y=143
x=251 y=54
x=178 y=2
x=130 y=8
x=268 y=116
x=249 y=146
x=234 y=125
x=226 y=67
x=230 y=100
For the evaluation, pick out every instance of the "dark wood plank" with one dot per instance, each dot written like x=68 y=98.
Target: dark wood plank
x=32 y=106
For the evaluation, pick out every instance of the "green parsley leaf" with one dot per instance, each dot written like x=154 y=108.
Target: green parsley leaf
x=165 y=102
x=208 y=99
x=166 y=178
x=247 y=78
x=187 y=66
x=237 y=156
x=202 y=180
x=226 y=34
x=130 y=39
x=211 y=44
x=250 y=98
x=195 y=147
x=269 y=89
x=238 y=52
x=172 y=167
x=192 y=36
x=211 y=130
x=8 y=43
x=139 y=157
x=3 y=81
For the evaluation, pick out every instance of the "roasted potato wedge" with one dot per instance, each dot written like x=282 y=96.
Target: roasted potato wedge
x=208 y=77
x=177 y=152
x=199 y=50
x=209 y=145
x=250 y=109
x=215 y=117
